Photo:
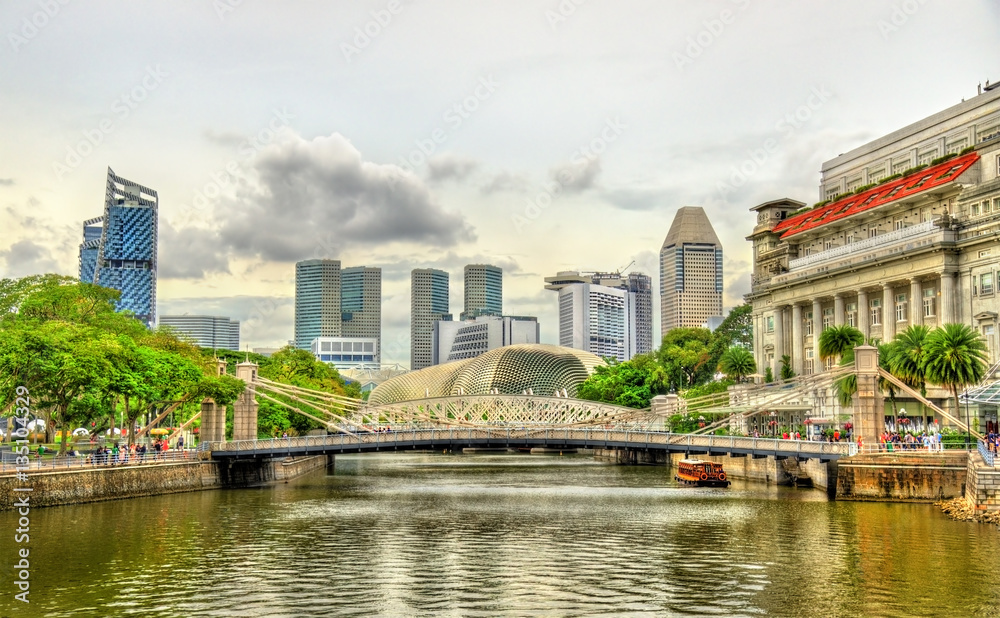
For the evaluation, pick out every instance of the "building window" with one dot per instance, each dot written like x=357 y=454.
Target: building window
x=876 y=311
x=850 y=238
x=975 y=210
x=900 y=307
x=989 y=334
x=929 y=297
x=827 y=245
x=897 y=224
x=827 y=318
x=986 y=208
x=770 y=323
x=985 y=253
x=986 y=283
x=809 y=323
x=852 y=315
x=872 y=232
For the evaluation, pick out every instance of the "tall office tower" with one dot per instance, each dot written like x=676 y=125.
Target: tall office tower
x=92 y=230
x=428 y=304
x=317 y=301
x=207 y=331
x=121 y=253
x=361 y=304
x=640 y=287
x=690 y=271
x=602 y=313
x=483 y=291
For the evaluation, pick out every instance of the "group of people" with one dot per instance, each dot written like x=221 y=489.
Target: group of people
x=123 y=454
x=893 y=441
x=993 y=442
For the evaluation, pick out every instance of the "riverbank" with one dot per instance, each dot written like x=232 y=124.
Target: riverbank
x=960 y=509
x=78 y=486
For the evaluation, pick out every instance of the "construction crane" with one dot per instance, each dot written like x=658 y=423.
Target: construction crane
x=621 y=271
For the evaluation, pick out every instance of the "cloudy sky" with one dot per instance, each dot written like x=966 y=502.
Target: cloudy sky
x=538 y=135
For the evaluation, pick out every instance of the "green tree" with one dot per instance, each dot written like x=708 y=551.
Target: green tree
x=736 y=330
x=737 y=363
x=906 y=357
x=786 y=368
x=684 y=355
x=632 y=383
x=768 y=375
x=836 y=340
x=954 y=357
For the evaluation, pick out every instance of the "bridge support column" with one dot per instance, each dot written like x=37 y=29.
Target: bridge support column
x=869 y=408
x=245 y=408
x=213 y=422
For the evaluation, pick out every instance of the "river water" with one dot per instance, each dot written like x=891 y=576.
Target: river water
x=502 y=535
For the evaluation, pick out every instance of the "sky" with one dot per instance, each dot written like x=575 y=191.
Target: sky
x=537 y=135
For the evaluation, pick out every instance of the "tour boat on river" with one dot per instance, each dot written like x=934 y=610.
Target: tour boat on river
x=701 y=473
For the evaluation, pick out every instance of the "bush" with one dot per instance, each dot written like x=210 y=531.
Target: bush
x=864 y=188
x=816 y=205
x=944 y=158
x=966 y=150
x=913 y=170
x=890 y=178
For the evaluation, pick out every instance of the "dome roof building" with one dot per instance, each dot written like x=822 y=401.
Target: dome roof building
x=541 y=368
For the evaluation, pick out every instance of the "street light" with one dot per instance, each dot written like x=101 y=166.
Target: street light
x=968 y=427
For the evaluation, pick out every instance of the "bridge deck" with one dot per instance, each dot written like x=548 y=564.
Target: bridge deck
x=522 y=437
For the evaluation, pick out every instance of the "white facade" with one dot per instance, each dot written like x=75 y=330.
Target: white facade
x=910 y=237
x=346 y=352
x=470 y=338
x=207 y=331
x=608 y=314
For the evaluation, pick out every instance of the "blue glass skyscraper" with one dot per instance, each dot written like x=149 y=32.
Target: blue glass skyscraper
x=121 y=253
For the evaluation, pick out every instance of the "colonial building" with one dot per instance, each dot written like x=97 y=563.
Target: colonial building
x=908 y=232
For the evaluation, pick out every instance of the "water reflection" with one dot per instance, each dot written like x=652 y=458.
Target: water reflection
x=489 y=535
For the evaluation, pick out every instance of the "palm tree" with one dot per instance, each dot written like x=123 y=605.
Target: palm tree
x=906 y=357
x=737 y=363
x=954 y=357
x=836 y=340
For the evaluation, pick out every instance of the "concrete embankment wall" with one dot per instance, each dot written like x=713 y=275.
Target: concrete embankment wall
x=902 y=477
x=53 y=488
x=765 y=470
x=982 y=485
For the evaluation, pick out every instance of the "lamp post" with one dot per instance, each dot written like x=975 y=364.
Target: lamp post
x=968 y=426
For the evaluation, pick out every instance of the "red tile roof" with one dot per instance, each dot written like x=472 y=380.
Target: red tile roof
x=881 y=195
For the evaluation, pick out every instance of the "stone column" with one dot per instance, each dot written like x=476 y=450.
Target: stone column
x=869 y=409
x=838 y=310
x=817 y=330
x=798 y=344
x=779 y=338
x=947 y=298
x=245 y=408
x=888 y=313
x=213 y=422
x=863 y=311
x=916 y=303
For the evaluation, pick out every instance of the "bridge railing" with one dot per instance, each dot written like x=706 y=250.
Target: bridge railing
x=527 y=435
x=988 y=456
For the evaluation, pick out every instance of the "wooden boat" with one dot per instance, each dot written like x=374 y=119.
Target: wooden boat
x=701 y=473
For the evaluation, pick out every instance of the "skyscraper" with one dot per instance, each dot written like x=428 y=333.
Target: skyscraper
x=607 y=314
x=207 y=331
x=317 y=301
x=690 y=271
x=640 y=287
x=361 y=303
x=483 y=291
x=335 y=302
x=121 y=252
x=429 y=300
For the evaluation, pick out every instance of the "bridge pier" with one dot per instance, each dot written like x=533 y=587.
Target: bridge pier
x=869 y=408
x=245 y=408
x=213 y=422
